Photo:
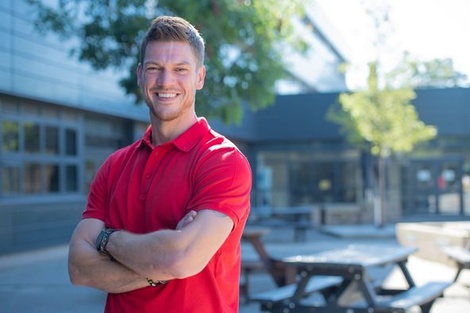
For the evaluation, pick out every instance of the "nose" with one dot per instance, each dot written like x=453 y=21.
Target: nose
x=165 y=78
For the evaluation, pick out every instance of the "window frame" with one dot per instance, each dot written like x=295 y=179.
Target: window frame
x=65 y=121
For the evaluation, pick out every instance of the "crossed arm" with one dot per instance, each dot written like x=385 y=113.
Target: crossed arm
x=160 y=255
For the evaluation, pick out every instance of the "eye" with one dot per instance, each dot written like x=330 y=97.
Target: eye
x=152 y=68
x=181 y=69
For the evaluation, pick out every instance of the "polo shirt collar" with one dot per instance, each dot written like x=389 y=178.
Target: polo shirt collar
x=187 y=140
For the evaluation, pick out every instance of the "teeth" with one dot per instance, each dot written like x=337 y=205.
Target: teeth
x=167 y=95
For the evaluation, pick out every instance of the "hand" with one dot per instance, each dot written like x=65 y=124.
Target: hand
x=188 y=218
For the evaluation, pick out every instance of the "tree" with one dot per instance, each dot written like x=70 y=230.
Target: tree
x=383 y=120
x=243 y=40
x=436 y=73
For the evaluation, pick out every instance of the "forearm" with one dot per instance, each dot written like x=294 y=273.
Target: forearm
x=150 y=255
x=88 y=267
x=170 y=254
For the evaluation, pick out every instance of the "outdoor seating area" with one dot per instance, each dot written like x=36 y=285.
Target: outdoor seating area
x=338 y=273
x=351 y=278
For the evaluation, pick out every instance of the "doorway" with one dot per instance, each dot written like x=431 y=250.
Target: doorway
x=434 y=186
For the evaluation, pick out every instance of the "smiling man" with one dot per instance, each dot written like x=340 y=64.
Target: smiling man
x=162 y=226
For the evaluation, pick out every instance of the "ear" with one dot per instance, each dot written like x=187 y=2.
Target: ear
x=139 y=75
x=201 y=75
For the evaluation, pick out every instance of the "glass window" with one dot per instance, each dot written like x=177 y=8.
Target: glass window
x=70 y=142
x=71 y=178
x=347 y=173
x=52 y=178
x=39 y=149
x=52 y=140
x=31 y=137
x=11 y=180
x=10 y=136
x=32 y=178
x=324 y=181
x=302 y=180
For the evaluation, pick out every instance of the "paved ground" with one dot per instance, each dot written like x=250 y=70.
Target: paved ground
x=38 y=281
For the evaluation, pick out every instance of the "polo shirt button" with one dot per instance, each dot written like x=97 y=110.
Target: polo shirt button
x=147 y=176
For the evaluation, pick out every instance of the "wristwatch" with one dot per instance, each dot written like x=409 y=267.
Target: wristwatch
x=102 y=241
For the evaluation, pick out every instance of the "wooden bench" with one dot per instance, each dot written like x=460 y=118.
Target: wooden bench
x=325 y=285
x=354 y=290
x=272 y=298
x=396 y=300
x=461 y=257
x=422 y=296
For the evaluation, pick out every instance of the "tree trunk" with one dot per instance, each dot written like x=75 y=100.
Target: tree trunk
x=382 y=191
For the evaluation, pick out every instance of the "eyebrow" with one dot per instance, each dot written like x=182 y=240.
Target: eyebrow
x=184 y=63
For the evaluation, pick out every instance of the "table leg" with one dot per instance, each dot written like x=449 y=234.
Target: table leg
x=407 y=274
x=290 y=274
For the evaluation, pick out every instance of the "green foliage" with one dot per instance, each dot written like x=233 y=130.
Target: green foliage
x=242 y=37
x=383 y=119
x=436 y=73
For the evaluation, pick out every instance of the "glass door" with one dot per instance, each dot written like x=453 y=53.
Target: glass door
x=434 y=187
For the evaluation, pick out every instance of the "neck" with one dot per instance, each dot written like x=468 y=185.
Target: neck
x=165 y=131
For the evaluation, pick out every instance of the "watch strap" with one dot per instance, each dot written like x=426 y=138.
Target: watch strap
x=102 y=241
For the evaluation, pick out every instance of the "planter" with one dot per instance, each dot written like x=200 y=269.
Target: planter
x=431 y=237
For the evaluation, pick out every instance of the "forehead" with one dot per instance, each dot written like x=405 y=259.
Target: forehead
x=169 y=52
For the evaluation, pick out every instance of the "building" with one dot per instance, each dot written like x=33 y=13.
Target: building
x=301 y=159
x=59 y=119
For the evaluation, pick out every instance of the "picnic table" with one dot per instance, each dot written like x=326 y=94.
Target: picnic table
x=264 y=262
x=299 y=217
x=350 y=280
x=461 y=257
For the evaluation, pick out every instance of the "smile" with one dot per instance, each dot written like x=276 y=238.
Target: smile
x=167 y=95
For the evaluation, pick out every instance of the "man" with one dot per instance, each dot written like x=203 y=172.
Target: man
x=161 y=230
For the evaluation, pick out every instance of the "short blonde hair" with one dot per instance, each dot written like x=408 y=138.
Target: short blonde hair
x=173 y=28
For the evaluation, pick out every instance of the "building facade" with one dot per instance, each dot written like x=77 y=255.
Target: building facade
x=300 y=158
x=59 y=119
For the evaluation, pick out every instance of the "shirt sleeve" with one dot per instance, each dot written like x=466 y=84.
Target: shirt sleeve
x=223 y=183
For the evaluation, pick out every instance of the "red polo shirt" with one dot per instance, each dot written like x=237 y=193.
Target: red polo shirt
x=142 y=188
